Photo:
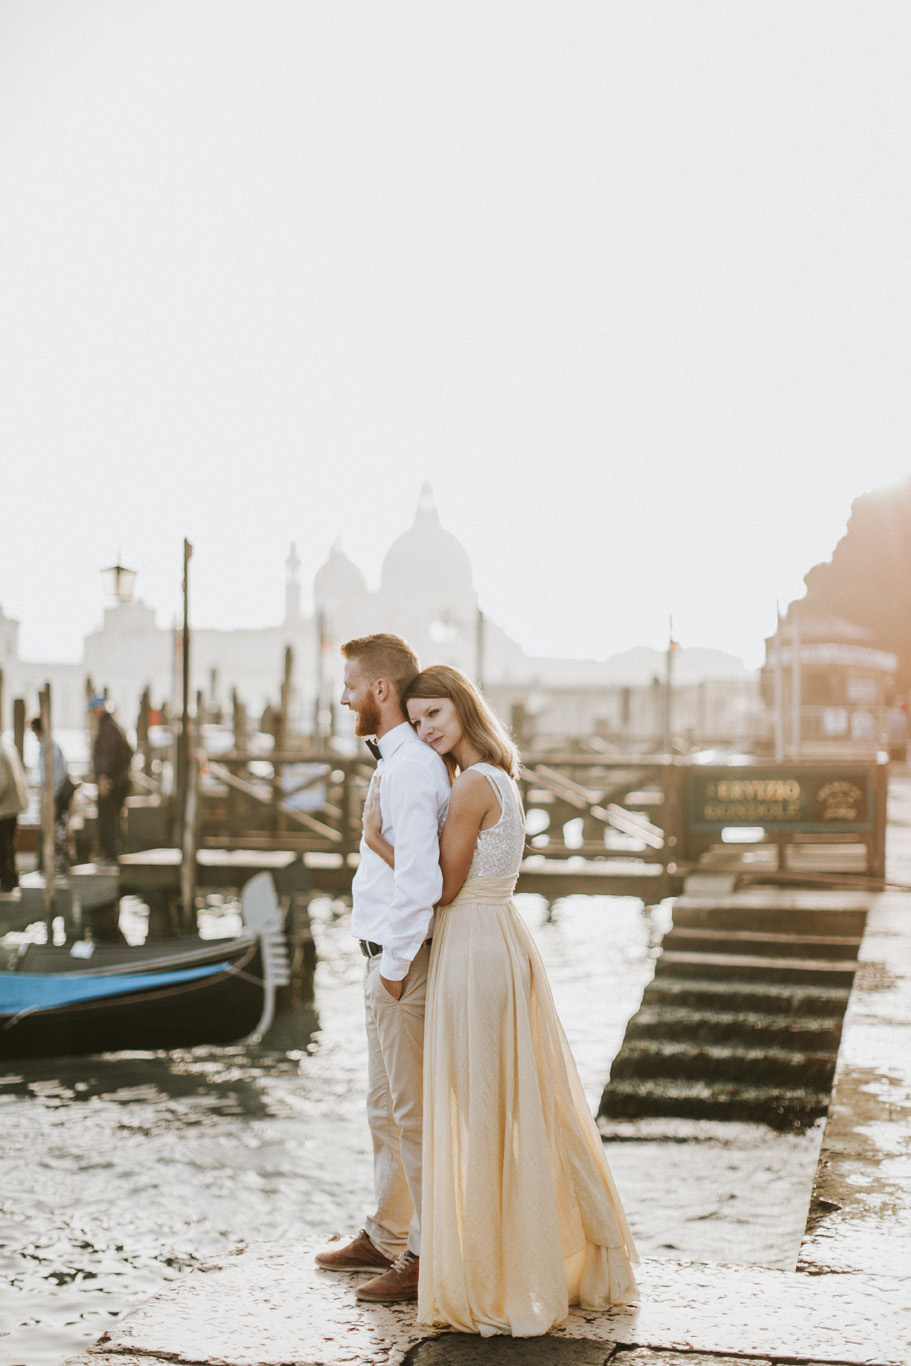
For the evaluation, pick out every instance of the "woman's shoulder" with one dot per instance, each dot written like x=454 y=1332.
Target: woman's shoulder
x=474 y=782
x=486 y=771
x=481 y=771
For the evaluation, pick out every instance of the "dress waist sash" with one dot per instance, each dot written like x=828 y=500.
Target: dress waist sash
x=492 y=891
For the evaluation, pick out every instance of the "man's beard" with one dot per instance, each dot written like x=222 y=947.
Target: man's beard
x=367 y=719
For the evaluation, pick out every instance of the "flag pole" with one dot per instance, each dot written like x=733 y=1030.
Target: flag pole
x=668 y=686
x=778 y=689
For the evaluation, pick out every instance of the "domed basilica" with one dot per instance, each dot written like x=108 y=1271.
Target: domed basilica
x=426 y=594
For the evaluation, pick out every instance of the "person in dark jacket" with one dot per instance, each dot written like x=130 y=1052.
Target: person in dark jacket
x=112 y=756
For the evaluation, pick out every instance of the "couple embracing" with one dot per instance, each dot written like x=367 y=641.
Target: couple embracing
x=495 y=1207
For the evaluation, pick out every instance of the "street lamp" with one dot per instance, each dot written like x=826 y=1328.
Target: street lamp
x=118 y=582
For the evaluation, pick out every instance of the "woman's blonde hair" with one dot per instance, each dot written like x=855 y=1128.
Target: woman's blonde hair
x=482 y=727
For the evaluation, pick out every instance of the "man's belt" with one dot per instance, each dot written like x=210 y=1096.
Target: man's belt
x=371 y=950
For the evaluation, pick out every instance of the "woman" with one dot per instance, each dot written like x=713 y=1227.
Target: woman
x=521 y=1217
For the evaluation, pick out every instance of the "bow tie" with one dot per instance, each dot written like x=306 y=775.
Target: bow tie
x=374 y=749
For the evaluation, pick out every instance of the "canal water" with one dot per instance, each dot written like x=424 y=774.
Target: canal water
x=119 y=1174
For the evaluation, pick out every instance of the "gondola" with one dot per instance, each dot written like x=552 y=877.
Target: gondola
x=167 y=995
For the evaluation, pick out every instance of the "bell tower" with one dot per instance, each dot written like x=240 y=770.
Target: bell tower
x=292 y=587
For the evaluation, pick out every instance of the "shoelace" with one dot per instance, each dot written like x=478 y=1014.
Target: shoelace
x=402 y=1263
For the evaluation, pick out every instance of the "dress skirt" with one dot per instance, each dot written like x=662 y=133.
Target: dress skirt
x=521 y=1216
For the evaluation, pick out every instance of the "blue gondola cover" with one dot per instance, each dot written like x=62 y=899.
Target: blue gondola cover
x=21 y=991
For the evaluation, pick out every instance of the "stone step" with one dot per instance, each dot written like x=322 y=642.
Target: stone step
x=774 y=998
x=775 y=919
x=800 y=998
x=743 y=967
x=814 y=1033
x=767 y=943
x=777 y=1106
x=640 y=1058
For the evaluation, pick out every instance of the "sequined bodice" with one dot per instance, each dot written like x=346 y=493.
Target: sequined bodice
x=500 y=849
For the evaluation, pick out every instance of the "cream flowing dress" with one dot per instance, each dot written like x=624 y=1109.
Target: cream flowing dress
x=521 y=1216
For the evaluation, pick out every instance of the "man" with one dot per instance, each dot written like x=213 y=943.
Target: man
x=64 y=788
x=393 y=919
x=112 y=757
x=13 y=801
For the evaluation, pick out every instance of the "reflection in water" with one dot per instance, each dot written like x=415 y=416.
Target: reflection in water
x=120 y=1173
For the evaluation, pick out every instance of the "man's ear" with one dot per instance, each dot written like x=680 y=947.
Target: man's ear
x=382 y=690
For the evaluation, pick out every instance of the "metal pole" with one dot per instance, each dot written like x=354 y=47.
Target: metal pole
x=668 y=684
x=320 y=675
x=778 y=693
x=795 y=686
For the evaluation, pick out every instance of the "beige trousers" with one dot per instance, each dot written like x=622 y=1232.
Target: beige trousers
x=395 y=1105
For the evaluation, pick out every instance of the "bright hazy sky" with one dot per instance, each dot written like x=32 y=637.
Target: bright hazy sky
x=627 y=282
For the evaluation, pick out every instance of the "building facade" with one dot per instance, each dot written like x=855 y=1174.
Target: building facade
x=426 y=593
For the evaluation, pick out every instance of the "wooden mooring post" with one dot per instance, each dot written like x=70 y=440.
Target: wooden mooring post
x=47 y=811
x=19 y=725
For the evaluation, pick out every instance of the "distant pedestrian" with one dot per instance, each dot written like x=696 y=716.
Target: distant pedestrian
x=64 y=789
x=13 y=801
x=112 y=757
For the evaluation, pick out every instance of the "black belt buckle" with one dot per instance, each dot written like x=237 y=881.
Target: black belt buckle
x=371 y=950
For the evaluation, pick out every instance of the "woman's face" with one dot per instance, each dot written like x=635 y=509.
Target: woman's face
x=436 y=721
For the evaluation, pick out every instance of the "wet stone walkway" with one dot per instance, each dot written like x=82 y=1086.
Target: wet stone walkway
x=272 y=1307
x=269 y=1305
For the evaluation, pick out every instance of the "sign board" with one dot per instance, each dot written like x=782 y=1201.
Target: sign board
x=803 y=798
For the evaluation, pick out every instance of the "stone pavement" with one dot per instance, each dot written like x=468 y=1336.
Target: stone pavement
x=270 y=1306
x=860 y=1213
x=849 y=1303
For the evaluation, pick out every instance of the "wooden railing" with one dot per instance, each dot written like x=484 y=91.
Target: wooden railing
x=649 y=814
x=286 y=800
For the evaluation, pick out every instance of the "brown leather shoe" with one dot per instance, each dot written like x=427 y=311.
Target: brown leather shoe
x=400 y=1282
x=358 y=1255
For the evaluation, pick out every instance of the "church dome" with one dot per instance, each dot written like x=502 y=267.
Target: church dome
x=426 y=556
x=338 y=580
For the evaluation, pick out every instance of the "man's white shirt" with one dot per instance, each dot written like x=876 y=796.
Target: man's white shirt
x=394 y=907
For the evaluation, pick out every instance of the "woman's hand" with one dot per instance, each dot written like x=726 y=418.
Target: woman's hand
x=373 y=825
x=373 y=820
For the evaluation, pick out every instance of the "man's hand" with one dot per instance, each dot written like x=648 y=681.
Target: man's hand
x=395 y=989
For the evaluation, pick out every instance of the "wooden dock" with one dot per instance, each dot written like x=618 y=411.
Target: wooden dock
x=331 y=873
